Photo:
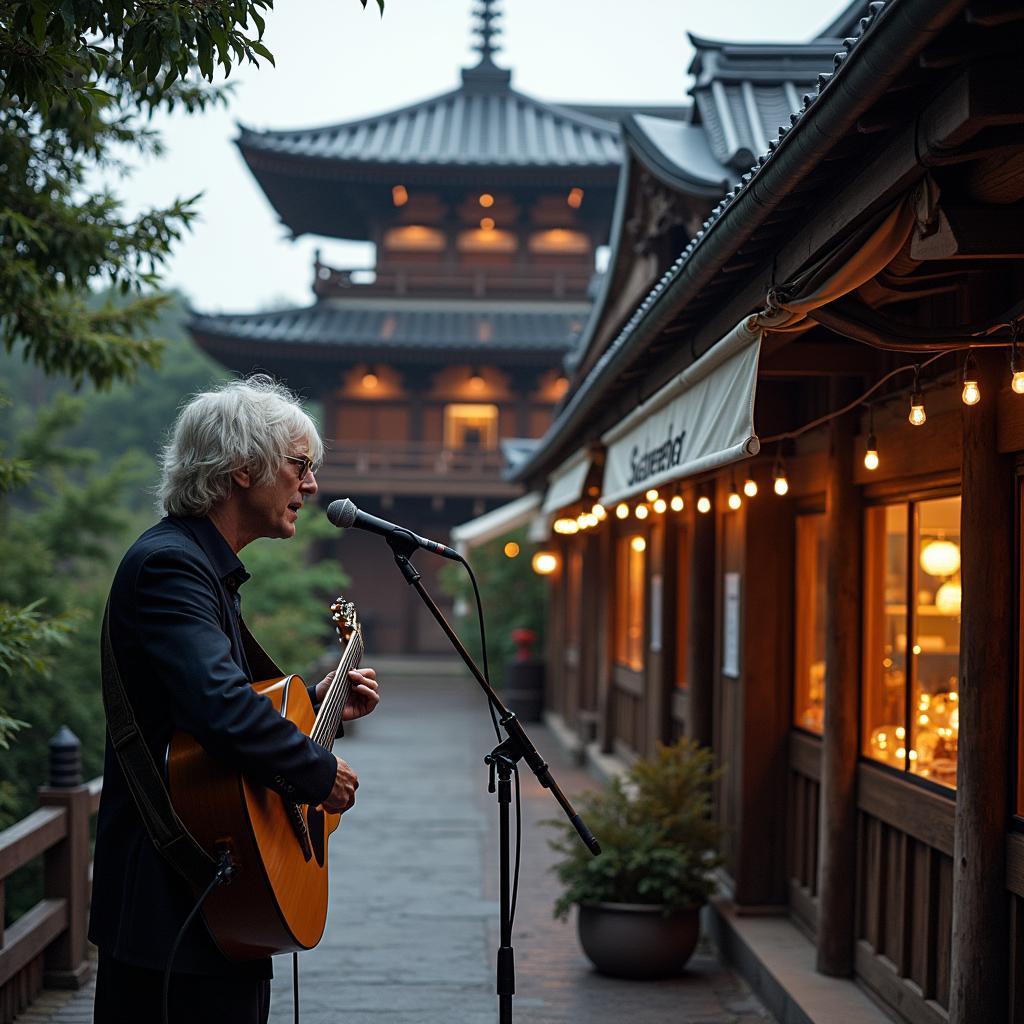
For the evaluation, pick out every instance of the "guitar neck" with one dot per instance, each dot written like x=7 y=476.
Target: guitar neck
x=328 y=718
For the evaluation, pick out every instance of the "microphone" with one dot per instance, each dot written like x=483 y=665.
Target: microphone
x=344 y=514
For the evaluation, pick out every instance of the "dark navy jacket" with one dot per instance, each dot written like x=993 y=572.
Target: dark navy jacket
x=175 y=634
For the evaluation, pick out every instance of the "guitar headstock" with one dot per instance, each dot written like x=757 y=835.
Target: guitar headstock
x=345 y=619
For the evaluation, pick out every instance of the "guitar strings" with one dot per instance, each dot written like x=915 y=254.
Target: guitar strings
x=325 y=726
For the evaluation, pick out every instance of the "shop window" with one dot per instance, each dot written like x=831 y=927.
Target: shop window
x=911 y=717
x=470 y=426
x=682 y=605
x=811 y=574
x=630 y=560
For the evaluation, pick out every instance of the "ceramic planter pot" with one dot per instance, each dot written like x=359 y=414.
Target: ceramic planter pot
x=635 y=940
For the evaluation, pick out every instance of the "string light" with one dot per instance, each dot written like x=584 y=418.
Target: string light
x=1017 y=376
x=917 y=414
x=734 y=500
x=750 y=485
x=779 y=481
x=621 y=510
x=676 y=504
x=704 y=504
x=971 y=394
x=599 y=511
x=641 y=511
x=544 y=563
x=511 y=549
x=638 y=544
x=660 y=504
x=871 y=453
x=652 y=494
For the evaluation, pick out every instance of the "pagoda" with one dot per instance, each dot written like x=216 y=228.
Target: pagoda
x=486 y=207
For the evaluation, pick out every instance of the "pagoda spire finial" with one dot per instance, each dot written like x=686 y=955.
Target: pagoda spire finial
x=486 y=14
x=486 y=72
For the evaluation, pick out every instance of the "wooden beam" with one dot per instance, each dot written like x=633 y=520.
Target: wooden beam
x=980 y=952
x=838 y=812
x=973 y=233
x=818 y=359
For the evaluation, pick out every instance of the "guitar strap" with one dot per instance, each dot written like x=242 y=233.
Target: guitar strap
x=173 y=841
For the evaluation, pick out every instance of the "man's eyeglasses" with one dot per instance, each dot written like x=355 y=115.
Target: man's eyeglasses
x=305 y=464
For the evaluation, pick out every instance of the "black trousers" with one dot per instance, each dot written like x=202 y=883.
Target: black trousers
x=126 y=994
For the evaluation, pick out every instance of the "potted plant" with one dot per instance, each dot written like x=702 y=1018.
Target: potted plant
x=639 y=900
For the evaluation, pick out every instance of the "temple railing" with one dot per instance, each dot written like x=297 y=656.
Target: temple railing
x=413 y=467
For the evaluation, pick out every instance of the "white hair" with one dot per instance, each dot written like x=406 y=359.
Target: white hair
x=245 y=424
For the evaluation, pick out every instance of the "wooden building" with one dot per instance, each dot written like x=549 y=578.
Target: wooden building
x=485 y=206
x=786 y=489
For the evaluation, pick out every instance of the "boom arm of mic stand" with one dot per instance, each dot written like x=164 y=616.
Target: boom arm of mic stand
x=520 y=744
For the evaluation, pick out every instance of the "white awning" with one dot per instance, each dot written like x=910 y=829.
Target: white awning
x=565 y=485
x=702 y=419
x=495 y=523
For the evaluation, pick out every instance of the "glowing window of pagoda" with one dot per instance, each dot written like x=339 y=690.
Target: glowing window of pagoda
x=414 y=238
x=470 y=425
x=481 y=240
x=560 y=241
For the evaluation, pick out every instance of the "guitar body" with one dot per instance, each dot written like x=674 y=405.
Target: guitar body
x=276 y=902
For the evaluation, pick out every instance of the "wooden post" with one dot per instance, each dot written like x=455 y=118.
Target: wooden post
x=66 y=865
x=979 y=979
x=700 y=630
x=838 y=810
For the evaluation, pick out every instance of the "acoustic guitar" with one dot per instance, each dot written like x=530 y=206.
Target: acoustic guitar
x=276 y=900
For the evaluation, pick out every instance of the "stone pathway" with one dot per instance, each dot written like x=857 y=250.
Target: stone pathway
x=412 y=930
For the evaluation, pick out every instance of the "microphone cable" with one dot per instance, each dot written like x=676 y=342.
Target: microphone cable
x=223 y=874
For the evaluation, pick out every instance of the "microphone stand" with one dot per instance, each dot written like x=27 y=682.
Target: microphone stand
x=502 y=759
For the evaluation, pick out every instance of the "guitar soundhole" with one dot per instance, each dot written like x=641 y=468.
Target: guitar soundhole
x=315 y=823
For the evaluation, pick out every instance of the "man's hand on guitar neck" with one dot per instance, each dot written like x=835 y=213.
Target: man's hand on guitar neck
x=363 y=696
x=343 y=794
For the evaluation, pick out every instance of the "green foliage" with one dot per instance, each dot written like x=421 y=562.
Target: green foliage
x=659 y=843
x=287 y=602
x=513 y=595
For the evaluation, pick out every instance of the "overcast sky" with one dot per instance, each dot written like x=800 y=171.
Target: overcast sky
x=336 y=62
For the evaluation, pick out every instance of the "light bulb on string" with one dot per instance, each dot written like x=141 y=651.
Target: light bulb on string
x=971 y=394
x=652 y=494
x=704 y=504
x=1017 y=374
x=622 y=510
x=659 y=506
x=779 y=481
x=641 y=511
x=677 y=504
x=871 y=452
x=750 y=485
x=599 y=511
x=734 y=500
x=917 y=414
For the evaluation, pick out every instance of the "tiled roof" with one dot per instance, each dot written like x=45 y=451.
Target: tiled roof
x=743 y=91
x=476 y=125
x=384 y=326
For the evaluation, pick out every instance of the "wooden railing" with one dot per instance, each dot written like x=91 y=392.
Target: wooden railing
x=410 y=466
x=47 y=946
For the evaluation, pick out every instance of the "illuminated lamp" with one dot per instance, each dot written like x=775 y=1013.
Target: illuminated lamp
x=1017 y=375
x=544 y=563
x=780 y=483
x=399 y=195
x=750 y=486
x=971 y=394
x=575 y=198
x=871 y=453
x=940 y=558
x=621 y=510
x=677 y=504
x=704 y=504
x=486 y=200
x=477 y=382
x=638 y=544
x=948 y=598
x=486 y=223
x=734 y=500
x=660 y=505
x=561 y=385
x=511 y=549
x=370 y=380
x=652 y=494
x=599 y=512
x=641 y=511
x=917 y=415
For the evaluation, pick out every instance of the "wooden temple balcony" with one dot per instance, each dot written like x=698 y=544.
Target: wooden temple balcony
x=452 y=280
x=413 y=468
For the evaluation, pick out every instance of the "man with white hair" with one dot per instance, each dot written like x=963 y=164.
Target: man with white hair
x=240 y=465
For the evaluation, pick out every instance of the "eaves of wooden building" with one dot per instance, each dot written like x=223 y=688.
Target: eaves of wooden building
x=786 y=482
